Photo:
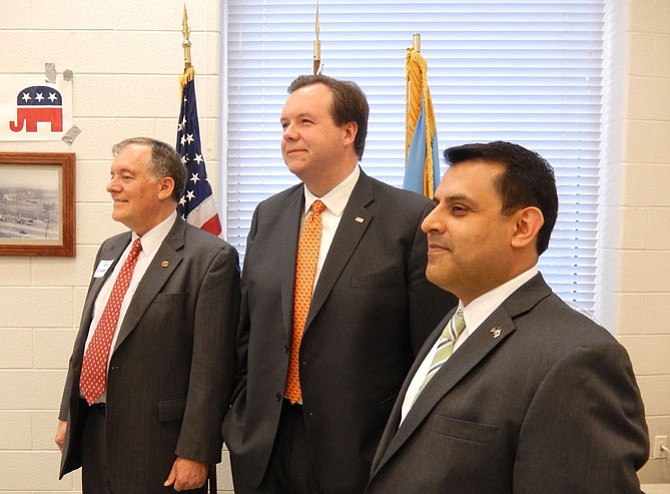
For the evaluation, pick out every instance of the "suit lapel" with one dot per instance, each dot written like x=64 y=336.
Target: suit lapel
x=289 y=248
x=485 y=339
x=383 y=451
x=475 y=348
x=110 y=252
x=479 y=344
x=166 y=260
x=354 y=222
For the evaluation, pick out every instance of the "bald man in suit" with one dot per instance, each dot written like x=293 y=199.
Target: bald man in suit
x=156 y=426
x=535 y=396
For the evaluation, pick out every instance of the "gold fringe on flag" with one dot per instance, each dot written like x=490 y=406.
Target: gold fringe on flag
x=416 y=90
x=187 y=76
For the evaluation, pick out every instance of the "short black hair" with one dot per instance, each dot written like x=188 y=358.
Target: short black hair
x=528 y=180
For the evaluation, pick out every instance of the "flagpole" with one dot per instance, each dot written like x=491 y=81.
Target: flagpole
x=186 y=43
x=190 y=150
x=316 y=65
x=416 y=42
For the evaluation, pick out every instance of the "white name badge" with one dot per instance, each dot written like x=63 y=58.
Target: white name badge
x=102 y=268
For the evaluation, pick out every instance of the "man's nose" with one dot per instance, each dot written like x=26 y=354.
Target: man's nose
x=429 y=223
x=289 y=133
x=112 y=185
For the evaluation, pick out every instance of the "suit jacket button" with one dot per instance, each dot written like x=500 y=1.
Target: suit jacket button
x=278 y=396
x=285 y=348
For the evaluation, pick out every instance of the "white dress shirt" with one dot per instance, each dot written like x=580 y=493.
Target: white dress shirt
x=474 y=314
x=150 y=242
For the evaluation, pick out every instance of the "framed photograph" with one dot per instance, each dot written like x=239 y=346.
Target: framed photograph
x=37 y=212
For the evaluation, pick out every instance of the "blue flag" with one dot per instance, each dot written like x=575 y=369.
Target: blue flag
x=422 y=158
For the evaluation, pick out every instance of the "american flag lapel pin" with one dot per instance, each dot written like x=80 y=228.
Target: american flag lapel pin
x=495 y=331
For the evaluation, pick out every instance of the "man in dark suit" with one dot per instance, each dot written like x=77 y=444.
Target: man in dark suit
x=371 y=307
x=532 y=396
x=152 y=424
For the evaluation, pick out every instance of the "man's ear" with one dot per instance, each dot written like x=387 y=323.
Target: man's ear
x=165 y=187
x=350 y=131
x=529 y=220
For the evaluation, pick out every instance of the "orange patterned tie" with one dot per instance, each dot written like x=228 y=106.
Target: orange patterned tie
x=93 y=380
x=305 y=270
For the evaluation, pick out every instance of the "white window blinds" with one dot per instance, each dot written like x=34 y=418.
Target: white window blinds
x=527 y=71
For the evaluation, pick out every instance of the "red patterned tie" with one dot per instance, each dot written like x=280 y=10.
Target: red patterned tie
x=93 y=380
x=305 y=270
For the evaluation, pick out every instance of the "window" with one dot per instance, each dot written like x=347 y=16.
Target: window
x=527 y=71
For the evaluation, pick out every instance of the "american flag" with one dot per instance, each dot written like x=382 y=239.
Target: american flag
x=197 y=205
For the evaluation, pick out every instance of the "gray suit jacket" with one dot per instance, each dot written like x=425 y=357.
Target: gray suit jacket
x=172 y=370
x=550 y=405
x=371 y=310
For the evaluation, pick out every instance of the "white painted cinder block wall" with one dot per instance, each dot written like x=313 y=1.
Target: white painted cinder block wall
x=126 y=57
x=639 y=249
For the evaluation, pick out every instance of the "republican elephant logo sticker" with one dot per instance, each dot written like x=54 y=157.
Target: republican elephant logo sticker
x=35 y=104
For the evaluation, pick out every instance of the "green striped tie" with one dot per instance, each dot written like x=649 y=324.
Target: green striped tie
x=445 y=346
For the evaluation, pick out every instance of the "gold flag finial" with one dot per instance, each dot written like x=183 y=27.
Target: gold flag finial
x=316 y=67
x=189 y=71
x=186 y=43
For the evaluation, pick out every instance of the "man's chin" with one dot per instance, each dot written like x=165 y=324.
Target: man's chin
x=436 y=275
x=117 y=214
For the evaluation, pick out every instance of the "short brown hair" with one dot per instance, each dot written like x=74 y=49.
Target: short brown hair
x=349 y=104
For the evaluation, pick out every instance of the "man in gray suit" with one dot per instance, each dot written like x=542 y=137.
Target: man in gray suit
x=150 y=421
x=531 y=396
x=371 y=306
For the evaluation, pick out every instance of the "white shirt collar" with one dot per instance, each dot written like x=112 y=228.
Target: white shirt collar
x=335 y=200
x=483 y=306
x=154 y=237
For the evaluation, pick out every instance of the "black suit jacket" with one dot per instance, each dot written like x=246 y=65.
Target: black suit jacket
x=549 y=406
x=371 y=310
x=172 y=370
